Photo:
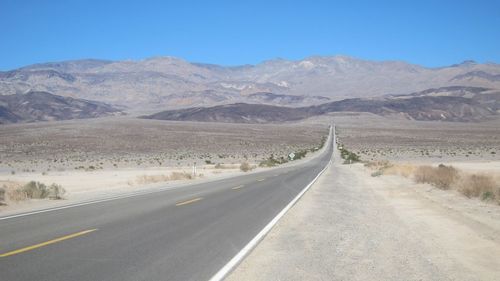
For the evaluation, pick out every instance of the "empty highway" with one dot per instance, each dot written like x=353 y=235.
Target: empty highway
x=187 y=233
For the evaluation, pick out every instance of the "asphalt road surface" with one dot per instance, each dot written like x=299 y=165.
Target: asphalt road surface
x=188 y=233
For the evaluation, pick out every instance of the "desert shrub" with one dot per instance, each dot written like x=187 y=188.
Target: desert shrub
x=377 y=173
x=245 y=167
x=300 y=154
x=488 y=195
x=35 y=190
x=146 y=179
x=348 y=156
x=323 y=141
x=270 y=162
x=224 y=166
x=479 y=186
x=442 y=177
x=2 y=196
x=180 y=176
x=56 y=191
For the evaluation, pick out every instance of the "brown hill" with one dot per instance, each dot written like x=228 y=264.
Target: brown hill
x=460 y=104
x=43 y=106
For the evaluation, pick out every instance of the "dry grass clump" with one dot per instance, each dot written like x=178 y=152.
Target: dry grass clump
x=224 y=166
x=174 y=176
x=482 y=186
x=15 y=191
x=2 y=196
x=145 y=179
x=387 y=168
x=245 y=167
x=442 y=177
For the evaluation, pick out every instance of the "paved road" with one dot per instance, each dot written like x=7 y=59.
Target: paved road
x=181 y=234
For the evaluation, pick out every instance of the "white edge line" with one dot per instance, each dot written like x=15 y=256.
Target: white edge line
x=228 y=267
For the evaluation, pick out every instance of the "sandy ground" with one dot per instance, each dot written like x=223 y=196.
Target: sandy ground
x=127 y=142
x=89 y=185
x=351 y=226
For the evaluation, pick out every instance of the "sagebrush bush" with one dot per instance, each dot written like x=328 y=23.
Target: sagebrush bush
x=271 y=162
x=35 y=190
x=348 y=156
x=56 y=191
x=180 y=176
x=146 y=179
x=442 y=177
x=483 y=186
x=174 y=176
x=479 y=186
x=2 y=196
x=245 y=167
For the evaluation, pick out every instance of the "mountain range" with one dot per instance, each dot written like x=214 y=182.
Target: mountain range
x=162 y=83
x=43 y=106
x=454 y=103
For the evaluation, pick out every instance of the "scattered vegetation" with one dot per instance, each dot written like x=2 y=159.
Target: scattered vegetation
x=222 y=166
x=441 y=177
x=56 y=192
x=245 y=167
x=300 y=154
x=482 y=186
x=271 y=161
x=14 y=191
x=2 y=196
x=174 y=176
x=349 y=156
x=35 y=190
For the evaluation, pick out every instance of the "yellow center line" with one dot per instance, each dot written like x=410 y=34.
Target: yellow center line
x=188 y=201
x=260 y=179
x=237 y=187
x=46 y=243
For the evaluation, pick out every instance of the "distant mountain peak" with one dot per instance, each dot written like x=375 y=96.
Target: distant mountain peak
x=465 y=63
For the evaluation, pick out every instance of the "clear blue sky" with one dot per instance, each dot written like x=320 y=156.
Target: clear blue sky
x=430 y=33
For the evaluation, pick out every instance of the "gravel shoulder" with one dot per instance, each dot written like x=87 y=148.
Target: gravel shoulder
x=351 y=226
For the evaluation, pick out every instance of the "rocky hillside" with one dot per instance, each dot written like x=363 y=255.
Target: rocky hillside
x=463 y=104
x=234 y=113
x=43 y=106
x=170 y=83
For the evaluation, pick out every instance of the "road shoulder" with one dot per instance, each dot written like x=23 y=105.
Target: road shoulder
x=350 y=226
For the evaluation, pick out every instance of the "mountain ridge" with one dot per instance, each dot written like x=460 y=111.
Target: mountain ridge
x=44 y=106
x=455 y=104
x=172 y=83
